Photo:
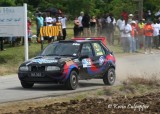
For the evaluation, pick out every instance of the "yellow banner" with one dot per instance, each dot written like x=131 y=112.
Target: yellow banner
x=50 y=31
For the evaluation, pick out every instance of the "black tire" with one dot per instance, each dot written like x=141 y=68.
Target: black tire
x=72 y=82
x=27 y=85
x=109 y=77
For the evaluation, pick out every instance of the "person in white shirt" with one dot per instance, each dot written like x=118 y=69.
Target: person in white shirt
x=119 y=24
x=49 y=22
x=80 y=23
x=156 y=29
x=63 y=22
x=126 y=36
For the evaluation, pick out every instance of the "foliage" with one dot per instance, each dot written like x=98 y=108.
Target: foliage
x=93 y=7
x=117 y=6
x=7 y=2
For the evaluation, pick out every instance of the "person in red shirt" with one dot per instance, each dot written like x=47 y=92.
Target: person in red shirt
x=148 y=33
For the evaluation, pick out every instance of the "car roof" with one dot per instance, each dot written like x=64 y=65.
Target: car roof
x=78 y=41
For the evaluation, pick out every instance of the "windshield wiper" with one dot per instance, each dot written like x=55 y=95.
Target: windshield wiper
x=51 y=55
x=66 y=55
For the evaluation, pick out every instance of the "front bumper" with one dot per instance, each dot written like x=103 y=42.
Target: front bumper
x=46 y=77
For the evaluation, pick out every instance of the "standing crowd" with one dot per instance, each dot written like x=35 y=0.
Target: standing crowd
x=134 y=34
x=52 y=20
x=137 y=34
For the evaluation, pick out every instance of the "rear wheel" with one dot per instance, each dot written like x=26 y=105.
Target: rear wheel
x=109 y=77
x=27 y=85
x=72 y=81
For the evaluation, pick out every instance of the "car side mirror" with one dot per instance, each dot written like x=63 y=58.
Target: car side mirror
x=83 y=57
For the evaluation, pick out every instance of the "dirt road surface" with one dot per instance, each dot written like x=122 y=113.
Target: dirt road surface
x=147 y=104
x=139 y=65
x=131 y=65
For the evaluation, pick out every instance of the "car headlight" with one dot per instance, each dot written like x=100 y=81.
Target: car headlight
x=24 y=68
x=52 y=68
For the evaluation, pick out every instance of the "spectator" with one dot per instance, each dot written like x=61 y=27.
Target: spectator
x=148 y=33
x=156 y=28
x=63 y=22
x=39 y=23
x=49 y=22
x=126 y=36
x=93 y=23
x=76 y=27
x=29 y=30
x=119 y=24
x=132 y=39
x=80 y=23
x=111 y=22
x=58 y=23
x=104 y=25
x=130 y=18
x=99 y=26
x=85 y=23
x=59 y=17
x=140 y=33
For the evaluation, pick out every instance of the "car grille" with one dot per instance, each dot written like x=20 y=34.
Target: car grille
x=38 y=68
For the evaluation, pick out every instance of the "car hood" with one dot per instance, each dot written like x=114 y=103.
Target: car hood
x=47 y=60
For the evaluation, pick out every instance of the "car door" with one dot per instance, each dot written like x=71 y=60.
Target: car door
x=87 y=65
x=98 y=58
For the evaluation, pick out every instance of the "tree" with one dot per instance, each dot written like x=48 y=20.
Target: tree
x=7 y=2
x=93 y=7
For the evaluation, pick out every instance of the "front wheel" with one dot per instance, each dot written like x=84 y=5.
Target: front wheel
x=72 y=82
x=27 y=85
x=109 y=77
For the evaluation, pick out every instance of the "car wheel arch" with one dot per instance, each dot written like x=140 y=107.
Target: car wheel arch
x=105 y=77
x=74 y=69
x=72 y=85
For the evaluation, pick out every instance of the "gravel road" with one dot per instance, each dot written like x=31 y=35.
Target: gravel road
x=130 y=65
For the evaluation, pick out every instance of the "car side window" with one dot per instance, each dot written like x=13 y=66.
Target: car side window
x=87 y=50
x=98 y=49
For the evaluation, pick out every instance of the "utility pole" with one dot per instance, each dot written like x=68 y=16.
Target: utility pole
x=140 y=9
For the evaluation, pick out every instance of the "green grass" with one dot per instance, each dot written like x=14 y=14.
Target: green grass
x=14 y=56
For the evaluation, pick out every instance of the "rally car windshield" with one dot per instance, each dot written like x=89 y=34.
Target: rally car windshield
x=61 y=49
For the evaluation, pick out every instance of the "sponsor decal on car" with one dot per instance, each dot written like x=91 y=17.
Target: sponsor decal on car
x=41 y=61
x=76 y=44
x=101 y=60
x=86 y=62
